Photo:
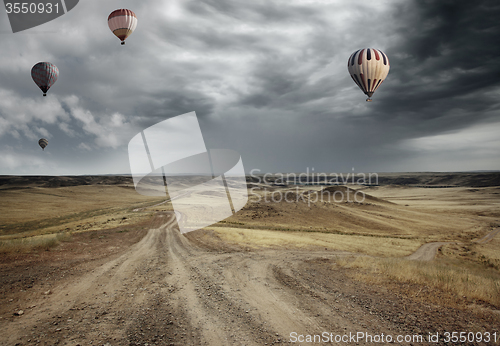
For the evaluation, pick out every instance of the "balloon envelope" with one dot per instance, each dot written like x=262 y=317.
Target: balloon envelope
x=45 y=75
x=368 y=68
x=122 y=23
x=43 y=143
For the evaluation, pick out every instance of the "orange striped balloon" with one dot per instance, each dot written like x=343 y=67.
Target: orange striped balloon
x=368 y=68
x=122 y=23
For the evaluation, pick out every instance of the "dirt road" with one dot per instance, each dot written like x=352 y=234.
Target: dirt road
x=488 y=237
x=428 y=251
x=169 y=289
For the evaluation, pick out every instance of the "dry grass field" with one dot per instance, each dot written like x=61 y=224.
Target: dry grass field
x=392 y=212
x=307 y=240
x=32 y=210
x=275 y=239
x=392 y=222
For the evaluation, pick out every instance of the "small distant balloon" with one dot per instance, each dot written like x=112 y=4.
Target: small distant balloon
x=122 y=23
x=368 y=68
x=43 y=143
x=45 y=75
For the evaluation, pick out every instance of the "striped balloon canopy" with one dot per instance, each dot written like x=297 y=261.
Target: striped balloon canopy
x=43 y=143
x=368 y=68
x=45 y=75
x=122 y=23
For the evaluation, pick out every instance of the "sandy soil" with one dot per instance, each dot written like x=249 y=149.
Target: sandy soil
x=172 y=289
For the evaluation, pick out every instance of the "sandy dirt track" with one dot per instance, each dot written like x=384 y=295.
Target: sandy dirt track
x=428 y=251
x=489 y=236
x=169 y=289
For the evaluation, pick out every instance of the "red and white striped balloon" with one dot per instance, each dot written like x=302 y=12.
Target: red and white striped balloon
x=368 y=68
x=122 y=23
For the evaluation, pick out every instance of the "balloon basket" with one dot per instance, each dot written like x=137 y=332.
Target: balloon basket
x=369 y=100
x=123 y=42
x=44 y=94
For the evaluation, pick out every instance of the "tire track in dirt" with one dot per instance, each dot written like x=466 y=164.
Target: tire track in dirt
x=428 y=251
x=115 y=290
x=165 y=290
x=182 y=275
x=489 y=237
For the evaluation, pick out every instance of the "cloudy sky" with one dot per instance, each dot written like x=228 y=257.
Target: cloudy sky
x=266 y=78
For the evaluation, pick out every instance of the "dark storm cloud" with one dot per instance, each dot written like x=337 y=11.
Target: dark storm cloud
x=267 y=78
x=289 y=42
x=444 y=75
x=255 y=12
x=445 y=60
x=442 y=58
x=443 y=82
x=160 y=106
x=275 y=78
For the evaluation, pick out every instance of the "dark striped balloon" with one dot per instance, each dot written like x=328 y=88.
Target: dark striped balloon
x=368 y=68
x=43 y=143
x=45 y=75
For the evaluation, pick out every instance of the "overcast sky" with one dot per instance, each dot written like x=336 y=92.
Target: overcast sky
x=266 y=78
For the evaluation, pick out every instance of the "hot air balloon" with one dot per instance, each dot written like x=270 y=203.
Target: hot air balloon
x=43 y=143
x=368 y=68
x=122 y=23
x=45 y=75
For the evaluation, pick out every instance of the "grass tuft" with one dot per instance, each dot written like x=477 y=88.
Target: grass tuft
x=35 y=243
x=374 y=246
x=461 y=280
